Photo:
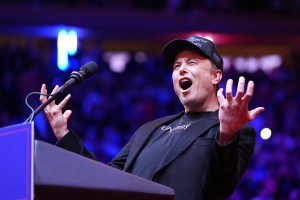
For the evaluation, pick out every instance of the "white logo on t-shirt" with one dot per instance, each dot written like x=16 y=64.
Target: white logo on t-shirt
x=170 y=129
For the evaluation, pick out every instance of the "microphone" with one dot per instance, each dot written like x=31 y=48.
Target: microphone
x=76 y=77
x=84 y=72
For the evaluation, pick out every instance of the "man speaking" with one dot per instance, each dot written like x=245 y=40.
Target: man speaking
x=201 y=152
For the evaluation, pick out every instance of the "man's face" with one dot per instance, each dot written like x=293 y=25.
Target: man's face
x=193 y=79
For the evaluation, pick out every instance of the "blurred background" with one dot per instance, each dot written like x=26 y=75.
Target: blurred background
x=44 y=41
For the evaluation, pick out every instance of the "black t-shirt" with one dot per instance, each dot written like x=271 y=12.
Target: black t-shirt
x=161 y=140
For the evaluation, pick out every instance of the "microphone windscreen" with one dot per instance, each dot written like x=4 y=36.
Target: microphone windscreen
x=89 y=68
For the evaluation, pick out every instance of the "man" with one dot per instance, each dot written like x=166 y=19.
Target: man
x=200 y=153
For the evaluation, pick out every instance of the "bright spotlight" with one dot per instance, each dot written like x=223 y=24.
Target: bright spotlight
x=117 y=61
x=265 y=133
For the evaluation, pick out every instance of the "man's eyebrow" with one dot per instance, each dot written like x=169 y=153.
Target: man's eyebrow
x=176 y=62
x=191 y=59
x=186 y=60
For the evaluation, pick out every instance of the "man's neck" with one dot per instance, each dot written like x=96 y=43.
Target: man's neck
x=210 y=104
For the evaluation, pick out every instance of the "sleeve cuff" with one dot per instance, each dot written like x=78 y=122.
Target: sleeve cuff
x=70 y=142
x=227 y=153
x=227 y=143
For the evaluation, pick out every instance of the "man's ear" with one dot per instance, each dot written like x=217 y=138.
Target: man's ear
x=217 y=76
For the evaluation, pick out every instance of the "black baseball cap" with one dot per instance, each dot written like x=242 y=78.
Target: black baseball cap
x=200 y=45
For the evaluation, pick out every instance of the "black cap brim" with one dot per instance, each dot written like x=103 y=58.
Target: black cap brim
x=171 y=50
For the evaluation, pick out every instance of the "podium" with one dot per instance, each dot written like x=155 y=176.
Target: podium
x=60 y=174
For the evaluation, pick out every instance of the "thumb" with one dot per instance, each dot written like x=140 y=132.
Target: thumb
x=220 y=96
x=67 y=114
x=255 y=112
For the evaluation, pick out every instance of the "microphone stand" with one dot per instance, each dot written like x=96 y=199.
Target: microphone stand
x=41 y=107
x=75 y=78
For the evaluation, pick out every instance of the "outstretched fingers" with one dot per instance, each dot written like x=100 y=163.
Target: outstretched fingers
x=67 y=114
x=220 y=96
x=62 y=104
x=229 y=90
x=249 y=92
x=53 y=92
x=253 y=113
x=43 y=98
x=240 y=89
x=55 y=89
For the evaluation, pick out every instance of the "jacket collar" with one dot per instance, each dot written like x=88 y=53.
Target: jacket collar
x=192 y=133
x=143 y=134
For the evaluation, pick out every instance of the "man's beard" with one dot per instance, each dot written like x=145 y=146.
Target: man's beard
x=192 y=104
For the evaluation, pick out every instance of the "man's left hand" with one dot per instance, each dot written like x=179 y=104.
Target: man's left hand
x=233 y=112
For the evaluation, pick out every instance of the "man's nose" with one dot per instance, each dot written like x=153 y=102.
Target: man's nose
x=183 y=69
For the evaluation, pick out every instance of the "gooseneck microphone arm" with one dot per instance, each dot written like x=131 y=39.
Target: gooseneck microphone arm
x=51 y=98
x=84 y=72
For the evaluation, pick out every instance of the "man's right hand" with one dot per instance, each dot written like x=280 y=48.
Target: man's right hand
x=57 y=119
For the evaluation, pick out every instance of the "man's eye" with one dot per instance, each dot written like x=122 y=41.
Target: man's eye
x=176 y=66
x=192 y=63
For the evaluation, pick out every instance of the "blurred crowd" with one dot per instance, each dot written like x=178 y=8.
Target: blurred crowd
x=181 y=6
x=109 y=107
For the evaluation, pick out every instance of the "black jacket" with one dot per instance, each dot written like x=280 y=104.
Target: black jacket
x=197 y=167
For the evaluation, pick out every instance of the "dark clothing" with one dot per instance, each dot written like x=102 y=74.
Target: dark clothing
x=163 y=139
x=195 y=166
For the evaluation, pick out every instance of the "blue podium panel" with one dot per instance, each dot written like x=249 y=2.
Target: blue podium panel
x=16 y=166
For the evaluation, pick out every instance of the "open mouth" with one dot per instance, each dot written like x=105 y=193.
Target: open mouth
x=185 y=83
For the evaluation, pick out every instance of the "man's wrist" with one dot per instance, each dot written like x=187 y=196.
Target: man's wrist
x=226 y=135
x=60 y=134
x=225 y=139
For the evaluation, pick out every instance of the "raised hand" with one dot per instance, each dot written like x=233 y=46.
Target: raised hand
x=57 y=119
x=233 y=112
